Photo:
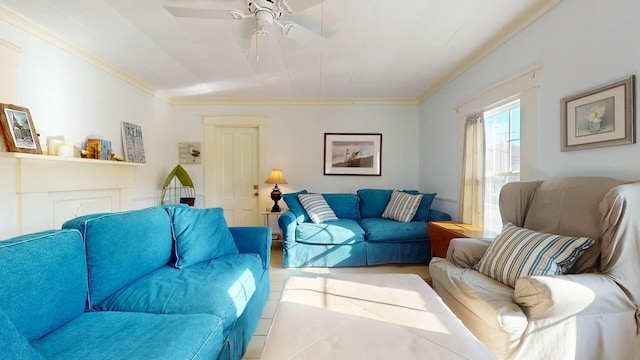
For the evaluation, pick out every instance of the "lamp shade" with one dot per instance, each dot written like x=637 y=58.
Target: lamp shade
x=276 y=177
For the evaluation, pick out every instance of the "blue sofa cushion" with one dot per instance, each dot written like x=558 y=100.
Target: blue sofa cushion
x=425 y=205
x=345 y=206
x=123 y=246
x=200 y=234
x=12 y=344
x=294 y=205
x=342 y=231
x=121 y=335
x=386 y=230
x=373 y=202
x=221 y=287
x=44 y=280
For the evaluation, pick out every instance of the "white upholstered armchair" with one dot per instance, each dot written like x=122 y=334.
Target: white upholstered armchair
x=589 y=310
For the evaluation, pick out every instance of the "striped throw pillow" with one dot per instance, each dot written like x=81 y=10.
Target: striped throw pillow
x=316 y=206
x=519 y=252
x=402 y=206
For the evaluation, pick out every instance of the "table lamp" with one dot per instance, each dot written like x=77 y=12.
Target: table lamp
x=276 y=178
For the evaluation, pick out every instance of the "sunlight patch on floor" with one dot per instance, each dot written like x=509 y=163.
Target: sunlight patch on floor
x=279 y=276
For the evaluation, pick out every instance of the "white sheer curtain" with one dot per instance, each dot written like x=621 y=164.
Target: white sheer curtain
x=472 y=192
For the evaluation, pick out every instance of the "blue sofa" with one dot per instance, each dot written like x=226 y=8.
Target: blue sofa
x=158 y=283
x=360 y=236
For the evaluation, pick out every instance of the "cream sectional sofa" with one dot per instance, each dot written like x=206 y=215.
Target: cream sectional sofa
x=588 y=312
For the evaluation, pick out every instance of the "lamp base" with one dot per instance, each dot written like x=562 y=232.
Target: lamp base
x=275 y=196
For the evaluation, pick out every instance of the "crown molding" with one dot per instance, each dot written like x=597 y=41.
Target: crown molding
x=185 y=101
x=512 y=30
x=10 y=46
x=42 y=33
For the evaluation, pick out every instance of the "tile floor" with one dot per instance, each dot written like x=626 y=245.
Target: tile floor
x=279 y=275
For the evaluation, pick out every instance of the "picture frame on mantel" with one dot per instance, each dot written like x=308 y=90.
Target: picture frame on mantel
x=18 y=130
x=353 y=154
x=132 y=143
x=601 y=117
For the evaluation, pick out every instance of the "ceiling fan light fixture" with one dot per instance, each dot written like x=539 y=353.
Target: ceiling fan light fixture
x=264 y=18
x=265 y=12
x=258 y=47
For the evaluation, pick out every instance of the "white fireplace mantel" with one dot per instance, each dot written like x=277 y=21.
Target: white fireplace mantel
x=40 y=192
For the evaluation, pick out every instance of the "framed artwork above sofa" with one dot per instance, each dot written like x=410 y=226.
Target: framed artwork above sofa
x=352 y=154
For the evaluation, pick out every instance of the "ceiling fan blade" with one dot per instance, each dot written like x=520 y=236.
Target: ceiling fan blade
x=295 y=6
x=303 y=35
x=258 y=47
x=202 y=11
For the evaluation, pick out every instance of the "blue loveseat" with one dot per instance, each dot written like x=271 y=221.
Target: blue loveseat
x=360 y=236
x=158 y=283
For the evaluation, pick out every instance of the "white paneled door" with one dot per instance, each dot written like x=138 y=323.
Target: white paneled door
x=233 y=168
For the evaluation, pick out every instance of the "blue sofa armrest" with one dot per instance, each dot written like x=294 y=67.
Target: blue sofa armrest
x=437 y=215
x=254 y=239
x=288 y=224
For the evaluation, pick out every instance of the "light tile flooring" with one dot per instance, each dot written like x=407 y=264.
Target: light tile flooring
x=279 y=275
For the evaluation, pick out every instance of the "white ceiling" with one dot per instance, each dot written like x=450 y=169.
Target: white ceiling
x=376 y=49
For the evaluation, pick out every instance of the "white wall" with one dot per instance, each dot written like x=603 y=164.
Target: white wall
x=296 y=142
x=581 y=44
x=70 y=97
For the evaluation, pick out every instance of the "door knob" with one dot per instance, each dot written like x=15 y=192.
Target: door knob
x=255 y=194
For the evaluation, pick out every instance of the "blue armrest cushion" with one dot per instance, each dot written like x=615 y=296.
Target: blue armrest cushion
x=437 y=215
x=288 y=223
x=254 y=239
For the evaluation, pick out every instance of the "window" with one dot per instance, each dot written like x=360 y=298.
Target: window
x=505 y=150
x=502 y=157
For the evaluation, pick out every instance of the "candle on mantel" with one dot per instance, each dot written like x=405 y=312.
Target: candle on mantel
x=65 y=149
x=52 y=145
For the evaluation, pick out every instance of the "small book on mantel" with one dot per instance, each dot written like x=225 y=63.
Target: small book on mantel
x=99 y=149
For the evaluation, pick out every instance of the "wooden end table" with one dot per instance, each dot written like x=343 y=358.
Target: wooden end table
x=441 y=233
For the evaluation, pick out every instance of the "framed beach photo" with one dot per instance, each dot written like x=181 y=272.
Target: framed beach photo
x=352 y=154
x=600 y=117
x=17 y=127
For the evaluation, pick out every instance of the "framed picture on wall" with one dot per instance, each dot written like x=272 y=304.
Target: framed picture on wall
x=132 y=143
x=600 y=117
x=352 y=154
x=18 y=130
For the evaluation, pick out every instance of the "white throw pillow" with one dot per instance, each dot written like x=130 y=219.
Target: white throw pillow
x=316 y=206
x=519 y=252
x=402 y=206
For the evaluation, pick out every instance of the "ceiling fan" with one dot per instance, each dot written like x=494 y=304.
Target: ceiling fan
x=265 y=13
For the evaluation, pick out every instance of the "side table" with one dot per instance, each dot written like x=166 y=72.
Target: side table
x=441 y=233
x=266 y=215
